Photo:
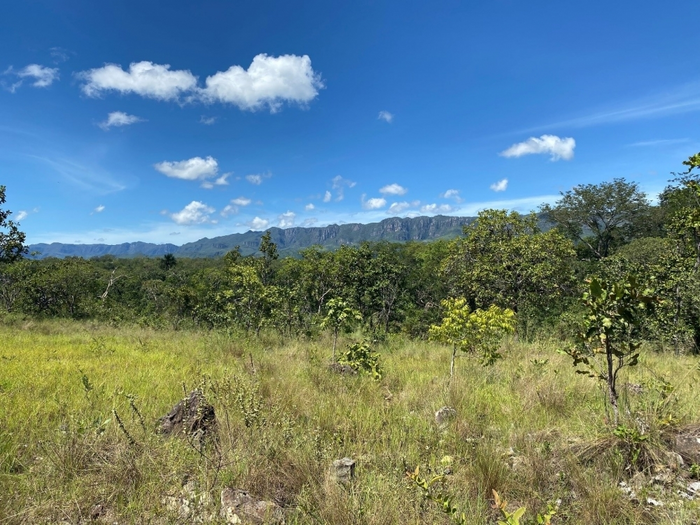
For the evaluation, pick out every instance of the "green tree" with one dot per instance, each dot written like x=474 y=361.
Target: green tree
x=504 y=259
x=339 y=315
x=601 y=216
x=12 y=246
x=611 y=330
x=481 y=330
x=168 y=262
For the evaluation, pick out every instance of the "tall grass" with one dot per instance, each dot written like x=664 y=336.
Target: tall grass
x=79 y=405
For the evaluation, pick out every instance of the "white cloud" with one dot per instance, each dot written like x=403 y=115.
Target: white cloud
x=21 y=215
x=268 y=82
x=501 y=185
x=241 y=201
x=373 y=203
x=399 y=207
x=43 y=76
x=258 y=224
x=59 y=55
x=143 y=78
x=660 y=142
x=385 y=116
x=309 y=222
x=195 y=168
x=309 y=207
x=393 y=189
x=339 y=184
x=229 y=209
x=254 y=179
x=452 y=194
x=286 y=220
x=207 y=121
x=437 y=208
x=556 y=147
x=194 y=213
x=99 y=209
x=327 y=196
x=118 y=118
x=221 y=181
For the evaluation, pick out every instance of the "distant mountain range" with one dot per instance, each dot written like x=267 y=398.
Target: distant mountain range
x=289 y=241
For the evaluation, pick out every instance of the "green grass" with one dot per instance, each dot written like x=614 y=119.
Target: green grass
x=62 y=451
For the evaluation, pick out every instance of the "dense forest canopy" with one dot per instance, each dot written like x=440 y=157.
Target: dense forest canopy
x=534 y=265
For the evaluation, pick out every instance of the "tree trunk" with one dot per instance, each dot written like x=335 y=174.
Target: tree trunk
x=612 y=392
x=452 y=362
x=335 y=340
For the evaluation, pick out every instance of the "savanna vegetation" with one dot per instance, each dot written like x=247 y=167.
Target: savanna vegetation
x=559 y=350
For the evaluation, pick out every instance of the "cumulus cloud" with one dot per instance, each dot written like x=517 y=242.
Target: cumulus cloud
x=556 y=147
x=309 y=207
x=393 y=189
x=385 y=116
x=339 y=185
x=21 y=215
x=501 y=185
x=286 y=220
x=258 y=224
x=42 y=76
x=143 y=78
x=437 y=208
x=119 y=118
x=327 y=196
x=241 y=201
x=229 y=209
x=268 y=82
x=194 y=213
x=195 y=168
x=374 y=203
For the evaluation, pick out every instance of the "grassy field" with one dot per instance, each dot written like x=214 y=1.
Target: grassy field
x=79 y=405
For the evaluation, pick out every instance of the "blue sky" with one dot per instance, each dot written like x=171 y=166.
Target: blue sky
x=169 y=122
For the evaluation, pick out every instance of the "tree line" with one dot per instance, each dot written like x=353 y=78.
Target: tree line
x=537 y=265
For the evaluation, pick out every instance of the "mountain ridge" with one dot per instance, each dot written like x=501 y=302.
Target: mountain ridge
x=289 y=240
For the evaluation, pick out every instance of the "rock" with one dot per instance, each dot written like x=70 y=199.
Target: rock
x=628 y=491
x=687 y=444
x=445 y=415
x=694 y=488
x=674 y=460
x=237 y=506
x=343 y=470
x=192 y=416
x=345 y=370
x=654 y=503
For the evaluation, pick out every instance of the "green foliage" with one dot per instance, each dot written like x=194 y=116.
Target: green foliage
x=506 y=260
x=339 y=315
x=12 y=246
x=481 y=330
x=611 y=331
x=433 y=490
x=360 y=357
x=601 y=216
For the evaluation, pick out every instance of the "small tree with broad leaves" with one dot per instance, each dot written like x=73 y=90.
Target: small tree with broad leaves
x=469 y=331
x=339 y=315
x=611 y=331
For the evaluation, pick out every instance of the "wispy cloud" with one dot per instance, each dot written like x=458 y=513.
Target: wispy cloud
x=42 y=76
x=660 y=142
x=90 y=178
x=386 y=117
x=21 y=215
x=207 y=121
x=309 y=207
x=119 y=118
x=556 y=147
x=681 y=99
x=99 y=209
x=339 y=184
x=257 y=178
